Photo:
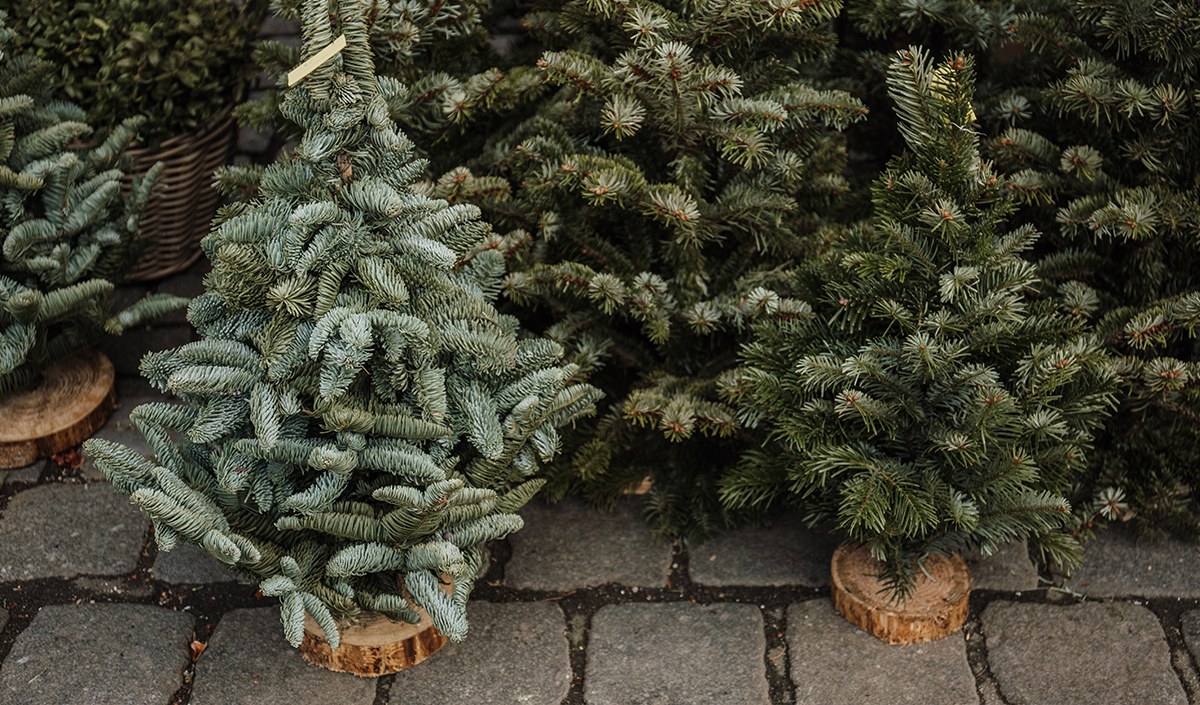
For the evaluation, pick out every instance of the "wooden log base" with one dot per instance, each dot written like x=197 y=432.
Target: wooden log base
x=374 y=645
x=932 y=611
x=72 y=400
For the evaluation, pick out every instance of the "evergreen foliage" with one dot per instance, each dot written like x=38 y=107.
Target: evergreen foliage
x=927 y=395
x=67 y=234
x=672 y=164
x=179 y=62
x=1097 y=123
x=359 y=417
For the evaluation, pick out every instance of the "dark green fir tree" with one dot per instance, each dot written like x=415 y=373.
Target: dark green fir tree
x=1097 y=124
x=67 y=232
x=673 y=165
x=928 y=395
x=359 y=417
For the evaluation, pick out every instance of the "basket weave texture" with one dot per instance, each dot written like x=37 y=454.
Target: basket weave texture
x=179 y=214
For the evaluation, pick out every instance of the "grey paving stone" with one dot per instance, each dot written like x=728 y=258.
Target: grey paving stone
x=1085 y=654
x=1115 y=564
x=3 y=618
x=98 y=655
x=676 y=653
x=1009 y=568
x=786 y=553
x=60 y=531
x=834 y=662
x=248 y=662
x=569 y=546
x=188 y=564
x=27 y=475
x=514 y=653
x=119 y=429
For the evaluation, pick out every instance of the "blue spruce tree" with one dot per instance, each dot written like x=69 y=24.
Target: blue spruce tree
x=359 y=417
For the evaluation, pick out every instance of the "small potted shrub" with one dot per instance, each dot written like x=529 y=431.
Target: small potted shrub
x=182 y=63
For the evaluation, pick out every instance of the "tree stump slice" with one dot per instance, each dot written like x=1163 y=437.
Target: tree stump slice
x=375 y=645
x=932 y=611
x=72 y=400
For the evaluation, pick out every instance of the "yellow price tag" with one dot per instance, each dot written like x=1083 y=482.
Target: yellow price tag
x=295 y=75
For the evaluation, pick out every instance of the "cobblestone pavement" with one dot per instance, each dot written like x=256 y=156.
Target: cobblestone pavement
x=578 y=607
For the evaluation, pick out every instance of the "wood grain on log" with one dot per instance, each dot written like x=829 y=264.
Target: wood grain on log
x=374 y=645
x=936 y=608
x=72 y=400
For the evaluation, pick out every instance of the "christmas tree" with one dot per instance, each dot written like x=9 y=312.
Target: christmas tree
x=1096 y=123
x=67 y=233
x=359 y=417
x=673 y=164
x=927 y=395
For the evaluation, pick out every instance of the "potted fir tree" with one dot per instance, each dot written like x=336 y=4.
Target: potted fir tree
x=67 y=235
x=359 y=417
x=182 y=63
x=930 y=396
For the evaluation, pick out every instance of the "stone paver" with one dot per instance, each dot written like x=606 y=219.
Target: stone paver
x=1191 y=633
x=676 y=653
x=188 y=564
x=1116 y=564
x=98 y=655
x=3 y=618
x=62 y=531
x=27 y=475
x=834 y=662
x=1009 y=568
x=1086 y=654
x=786 y=553
x=618 y=547
x=514 y=653
x=248 y=662
x=119 y=429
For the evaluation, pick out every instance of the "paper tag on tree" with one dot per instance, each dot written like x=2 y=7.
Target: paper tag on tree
x=295 y=75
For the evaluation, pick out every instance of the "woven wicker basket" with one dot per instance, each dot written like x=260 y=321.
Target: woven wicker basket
x=179 y=214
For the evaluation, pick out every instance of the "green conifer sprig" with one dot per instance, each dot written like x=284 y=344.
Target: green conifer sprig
x=66 y=233
x=359 y=418
x=931 y=399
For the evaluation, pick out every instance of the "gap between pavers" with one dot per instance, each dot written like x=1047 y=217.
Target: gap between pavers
x=1111 y=653
x=515 y=652
x=1117 y=564
x=64 y=530
x=249 y=661
x=833 y=662
x=676 y=652
x=1189 y=625
x=616 y=548
x=98 y=654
